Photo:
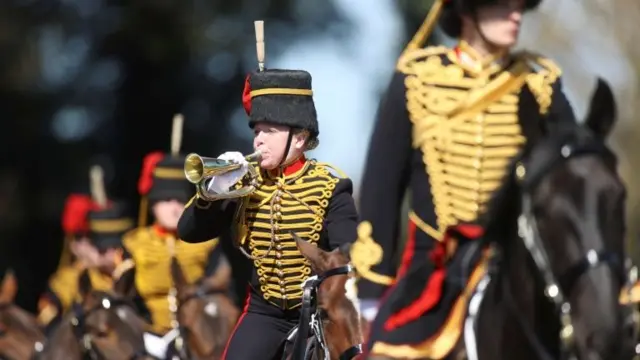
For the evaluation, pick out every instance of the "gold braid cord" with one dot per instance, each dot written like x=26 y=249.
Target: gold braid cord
x=281 y=205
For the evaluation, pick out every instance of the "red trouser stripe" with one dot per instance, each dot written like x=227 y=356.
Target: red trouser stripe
x=244 y=312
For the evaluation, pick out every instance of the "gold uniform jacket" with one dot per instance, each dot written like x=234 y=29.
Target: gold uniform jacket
x=308 y=200
x=446 y=131
x=150 y=249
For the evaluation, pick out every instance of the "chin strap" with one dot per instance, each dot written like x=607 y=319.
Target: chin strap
x=286 y=149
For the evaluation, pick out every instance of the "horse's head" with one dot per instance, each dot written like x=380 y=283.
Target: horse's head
x=103 y=325
x=206 y=314
x=571 y=205
x=342 y=328
x=20 y=335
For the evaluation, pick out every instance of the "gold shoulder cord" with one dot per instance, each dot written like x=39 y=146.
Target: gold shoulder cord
x=540 y=82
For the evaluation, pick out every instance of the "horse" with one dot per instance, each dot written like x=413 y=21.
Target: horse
x=20 y=335
x=328 y=315
x=553 y=234
x=104 y=325
x=205 y=314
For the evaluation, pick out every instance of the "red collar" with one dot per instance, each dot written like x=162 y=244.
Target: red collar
x=162 y=232
x=292 y=168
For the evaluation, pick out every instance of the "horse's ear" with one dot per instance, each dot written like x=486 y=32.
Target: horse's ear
x=309 y=251
x=84 y=284
x=179 y=280
x=9 y=287
x=602 y=112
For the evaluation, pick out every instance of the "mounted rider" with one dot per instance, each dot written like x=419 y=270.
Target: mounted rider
x=285 y=192
x=77 y=254
x=150 y=248
x=447 y=128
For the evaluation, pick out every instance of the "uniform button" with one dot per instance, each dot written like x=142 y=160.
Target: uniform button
x=276 y=238
x=278 y=255
x=282 y=291
x=278 y=247
x=275 y=227
x=278 y=263
x=280 y=185
x=280 y=273
x=277 y=207
x=282 y=282
x=284 y=297
x=279 y=215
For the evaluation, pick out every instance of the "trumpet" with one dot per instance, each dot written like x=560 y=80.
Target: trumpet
x=198 y=169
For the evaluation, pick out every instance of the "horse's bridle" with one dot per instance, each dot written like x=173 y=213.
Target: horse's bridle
x=78 y=324
x=555 y=287
x=311 y=318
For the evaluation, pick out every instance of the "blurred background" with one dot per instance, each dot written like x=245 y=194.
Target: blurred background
x=86 y=82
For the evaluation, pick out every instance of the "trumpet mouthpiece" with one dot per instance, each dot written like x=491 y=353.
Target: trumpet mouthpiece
x=253 y=156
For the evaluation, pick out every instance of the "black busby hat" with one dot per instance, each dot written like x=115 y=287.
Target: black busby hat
x=450 y=21
x=163 y=178
x=282 y=97
x=108 y=225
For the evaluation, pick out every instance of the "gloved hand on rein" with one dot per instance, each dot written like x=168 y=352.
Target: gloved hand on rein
x=222 y=183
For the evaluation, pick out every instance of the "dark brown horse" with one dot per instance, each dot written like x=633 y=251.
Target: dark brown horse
x=557 y=230
x=20 y=335
x=329 y=316
x=205 y=314
x=103 y=326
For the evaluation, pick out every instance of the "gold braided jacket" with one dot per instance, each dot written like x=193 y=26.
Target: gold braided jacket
x=297 y=202
x=464 y=122
x=150 y=251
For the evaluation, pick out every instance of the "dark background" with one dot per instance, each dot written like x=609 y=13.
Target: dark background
x=86 y=82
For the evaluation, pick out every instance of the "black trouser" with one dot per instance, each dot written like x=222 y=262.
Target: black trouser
x=260 y=331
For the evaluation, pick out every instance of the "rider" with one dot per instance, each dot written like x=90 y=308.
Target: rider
x=164 y=188
x=446 y=129
x=293 y=193
x=107 y=226
x=77 y=254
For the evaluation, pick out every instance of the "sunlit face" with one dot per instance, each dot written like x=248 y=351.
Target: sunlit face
x=499 y=23
x=271 y=140
x=167 y=213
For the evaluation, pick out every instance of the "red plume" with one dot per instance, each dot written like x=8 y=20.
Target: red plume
x=246 y=95
x=146 y=176
x=74 y=215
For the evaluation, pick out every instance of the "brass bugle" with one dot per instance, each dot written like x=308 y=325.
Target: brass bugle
x=198 y=169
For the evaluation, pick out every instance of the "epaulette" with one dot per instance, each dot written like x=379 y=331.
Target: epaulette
x=546 y=73
x=411 y=56
x=130 y=236
x=338 y=173
x=540 y=63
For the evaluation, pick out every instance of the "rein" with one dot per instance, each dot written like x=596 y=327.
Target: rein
x=556 y=288
x=311 y=318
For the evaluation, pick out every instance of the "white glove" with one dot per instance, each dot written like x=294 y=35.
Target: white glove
x=220 y=184
x=369 y=308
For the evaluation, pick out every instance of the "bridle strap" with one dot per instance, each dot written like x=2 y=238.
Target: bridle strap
x=351 y=352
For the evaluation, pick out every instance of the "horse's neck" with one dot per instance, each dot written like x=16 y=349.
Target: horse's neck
x=517 y=287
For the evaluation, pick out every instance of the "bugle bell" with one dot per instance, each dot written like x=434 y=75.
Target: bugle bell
x=198 y=169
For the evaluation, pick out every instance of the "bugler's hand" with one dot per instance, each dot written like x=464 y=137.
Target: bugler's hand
x=220 y=184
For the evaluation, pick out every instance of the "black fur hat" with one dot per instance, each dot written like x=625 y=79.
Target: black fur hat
x=281 y=97
x=107 y=226
x=450 y=20
x=163 y=178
